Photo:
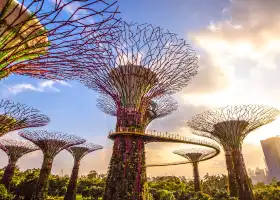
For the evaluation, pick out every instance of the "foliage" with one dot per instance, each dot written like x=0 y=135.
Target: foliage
x=91 y=187
x=93 y=192
x=27 y=183
x=91 y=180
x=57 y=185
x=4 y=194
x=221 y=195
x=164 y=195
x=213 y=183
x=267 y=192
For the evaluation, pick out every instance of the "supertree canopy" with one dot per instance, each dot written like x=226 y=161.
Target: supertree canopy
x=143 y=63
x=159 y=107
x=78 y=152
x=14 y=149
x=46 y=39
x=51 y=143
x=196 y=155
x=229 y=126
x=15 y=116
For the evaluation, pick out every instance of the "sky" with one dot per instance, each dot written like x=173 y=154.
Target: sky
x=238 y=45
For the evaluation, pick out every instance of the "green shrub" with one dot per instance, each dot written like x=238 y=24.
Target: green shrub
x=267 y=193
x=4 y=194
x=221 y=195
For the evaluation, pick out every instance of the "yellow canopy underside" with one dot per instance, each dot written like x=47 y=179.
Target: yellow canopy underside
x=20 y=18
x=6 y=124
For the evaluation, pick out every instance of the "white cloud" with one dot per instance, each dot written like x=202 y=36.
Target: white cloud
x=42 y=86
x=247 y=47
x=251 y=33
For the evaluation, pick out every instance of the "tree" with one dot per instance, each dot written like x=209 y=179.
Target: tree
x=16 y=116
x=92 y=174
x=57 y=185
x=85 y=182
x=142 y=64
x=93 y=192
x=196 y=155
x=78 y=152
x=214 y=183
x=14 y=149
x=51 y=143
x=229 y=126
x=27 y=185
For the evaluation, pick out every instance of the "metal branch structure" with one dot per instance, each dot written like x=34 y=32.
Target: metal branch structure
x=51 y=143
x=143 y=63
x=78 y=152
x=229 y=126
x=14 y=150
x=46 y=39
x=194 y=156
x=15 y=116
x=158 y=108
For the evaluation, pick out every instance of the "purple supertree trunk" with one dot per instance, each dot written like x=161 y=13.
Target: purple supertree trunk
x=72 y=186
x=9 y=173
x=127 y=171
x=196 y=177
x=232 y=185
x=41 y=191
x=244 y=185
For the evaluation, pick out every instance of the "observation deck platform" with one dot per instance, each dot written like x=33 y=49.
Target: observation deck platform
x=154 y=136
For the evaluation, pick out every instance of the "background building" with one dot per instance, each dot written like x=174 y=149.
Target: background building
x=258 y=175
x=271 y=150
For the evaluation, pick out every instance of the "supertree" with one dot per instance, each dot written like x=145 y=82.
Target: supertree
x=229 y=126
x=78 y=152
x=143 y=63
x=158 y=108
x=194 y=156
x=51 y=143
x=14 y=149
x=46 y=39
x=15 y=116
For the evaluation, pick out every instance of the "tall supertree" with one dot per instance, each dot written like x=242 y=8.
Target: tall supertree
x=194 y=156
x=14 y=149
x=15 y=116
x=143 y=63
x=51 y=143
x=46 y=39
x=229 y=126
x=158 y=108
x=78 y=152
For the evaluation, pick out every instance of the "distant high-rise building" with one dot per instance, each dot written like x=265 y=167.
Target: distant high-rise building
x=271 y=150
x=257 y=175
x=260 y=175
x=251 y=172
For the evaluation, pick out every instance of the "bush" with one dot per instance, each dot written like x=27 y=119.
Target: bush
x=267 y=193
x=221 y=195
x=93 y=192
x=4 y=194
x=166 y=195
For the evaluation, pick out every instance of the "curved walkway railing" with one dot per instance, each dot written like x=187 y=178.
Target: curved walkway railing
x=154 y=136
x=181 y=162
